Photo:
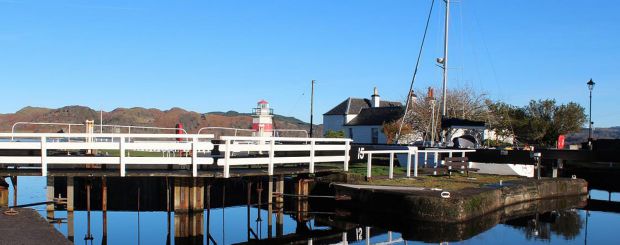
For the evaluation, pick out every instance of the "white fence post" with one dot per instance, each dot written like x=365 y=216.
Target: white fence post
x=369 y=166
x=226 y=159
x=347 y=148
x=272 y=145
x=121 y=154
x=436 y=159
x=312 y=142
x=194 y=157
x=43 y=156
x=391 y=171
x=415 y=163
x=408 y=163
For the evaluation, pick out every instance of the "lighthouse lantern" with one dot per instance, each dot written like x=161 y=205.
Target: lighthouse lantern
x=262 y=120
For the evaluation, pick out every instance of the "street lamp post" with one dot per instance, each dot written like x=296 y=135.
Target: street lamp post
x=590 y=87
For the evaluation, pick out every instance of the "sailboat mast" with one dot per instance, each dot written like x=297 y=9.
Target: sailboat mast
x=312 y=110
x=445 y=61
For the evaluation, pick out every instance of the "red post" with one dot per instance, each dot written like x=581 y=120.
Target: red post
x=561 y=142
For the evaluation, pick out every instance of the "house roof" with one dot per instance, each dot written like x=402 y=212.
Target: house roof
x=356 y=105
x=377 y=115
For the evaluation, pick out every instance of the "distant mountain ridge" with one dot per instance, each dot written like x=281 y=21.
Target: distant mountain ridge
x=138 y=116
x=597 y=133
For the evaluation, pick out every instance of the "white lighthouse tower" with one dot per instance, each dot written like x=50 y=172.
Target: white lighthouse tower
x=262 y=121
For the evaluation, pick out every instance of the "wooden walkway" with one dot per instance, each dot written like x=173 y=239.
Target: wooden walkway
x=206 y=173
x=28 y=227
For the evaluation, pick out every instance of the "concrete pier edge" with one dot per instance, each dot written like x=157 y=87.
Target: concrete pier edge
x=462 y=205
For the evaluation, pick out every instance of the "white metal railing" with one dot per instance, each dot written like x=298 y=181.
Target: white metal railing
x=410 y=151
x=121 y=142
x=272 y=145
x=236 y=130
x=44 y=123
x=128 y=127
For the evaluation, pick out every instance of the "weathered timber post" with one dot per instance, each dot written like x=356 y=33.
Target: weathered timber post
x=249 y=202
x=188 y=227
x=270 y=207
x=280 y=189
x=4 y=197
x=70 y=226
x=88 y=236
x=302 y=191
x=188 y=209
x=104 y=208
x=181 y=194
x=209 y=237
x=70 y=194
x=280 y=206
x=197 y=195
x=188 y=194
x=50 y=197
x=259 y=220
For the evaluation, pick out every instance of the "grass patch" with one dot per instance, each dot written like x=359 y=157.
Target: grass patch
x=455 y=182
x=376 y=170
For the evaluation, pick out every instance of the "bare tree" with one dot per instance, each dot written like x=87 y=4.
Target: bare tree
x=424 y=116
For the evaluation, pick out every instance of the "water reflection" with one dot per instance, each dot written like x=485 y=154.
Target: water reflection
x=207 y=211
x=442 y=232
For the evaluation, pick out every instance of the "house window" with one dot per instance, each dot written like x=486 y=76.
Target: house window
x=375 y=135
x=351 y=133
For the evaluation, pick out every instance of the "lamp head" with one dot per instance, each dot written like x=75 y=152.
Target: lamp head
x=591 y=84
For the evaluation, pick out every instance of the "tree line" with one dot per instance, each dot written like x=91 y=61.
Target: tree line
x=540 y=122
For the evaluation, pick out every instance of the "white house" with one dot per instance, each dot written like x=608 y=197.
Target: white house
x=362 y=119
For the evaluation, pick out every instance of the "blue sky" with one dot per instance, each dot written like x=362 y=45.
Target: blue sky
x=226 y=55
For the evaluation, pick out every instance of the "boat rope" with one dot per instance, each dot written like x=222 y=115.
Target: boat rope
x=415 y=72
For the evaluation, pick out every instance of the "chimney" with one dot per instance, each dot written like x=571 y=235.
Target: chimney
x=376 y=99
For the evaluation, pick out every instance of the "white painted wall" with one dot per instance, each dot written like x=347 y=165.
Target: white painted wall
x=333 y=122
x=363 y=134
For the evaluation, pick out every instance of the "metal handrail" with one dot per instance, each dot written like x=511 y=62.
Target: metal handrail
x=142 y=127
x=256 y=138
x=249 y=130
x=129 y=127
x=106 y=135
x=227 y=128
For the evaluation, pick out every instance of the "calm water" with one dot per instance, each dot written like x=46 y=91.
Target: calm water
x=323 y=225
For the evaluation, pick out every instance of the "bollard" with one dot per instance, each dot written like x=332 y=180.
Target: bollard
x=537 y=156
